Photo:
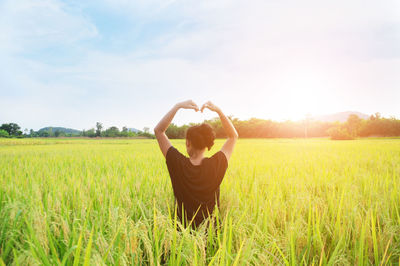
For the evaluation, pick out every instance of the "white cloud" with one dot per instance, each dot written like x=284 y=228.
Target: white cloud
x=31 y=25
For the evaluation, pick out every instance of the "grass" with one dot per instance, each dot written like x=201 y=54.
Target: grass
x=77 y=201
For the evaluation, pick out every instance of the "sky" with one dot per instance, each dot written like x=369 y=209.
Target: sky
x=126 y=63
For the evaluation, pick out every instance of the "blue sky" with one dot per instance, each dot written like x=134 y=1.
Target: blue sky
x=125 y=63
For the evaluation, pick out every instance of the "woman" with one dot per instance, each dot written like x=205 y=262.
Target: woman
x=196 y=180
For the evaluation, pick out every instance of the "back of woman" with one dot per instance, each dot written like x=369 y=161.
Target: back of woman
x=196 y=179
x=196 y=187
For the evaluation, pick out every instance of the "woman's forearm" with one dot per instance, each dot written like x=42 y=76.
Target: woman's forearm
x=166 y=120
x=227 y=125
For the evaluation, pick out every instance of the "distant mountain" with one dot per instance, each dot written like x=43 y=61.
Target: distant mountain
x=60 y=129
x=133 y=130
x=341 y=117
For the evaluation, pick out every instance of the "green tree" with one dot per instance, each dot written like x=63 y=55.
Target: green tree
x=91 y=133
x=99 y=127
x=176 y=132
x=12 y=128
x=44 y=134
x=339 y=133
x=112 y=132
x=4 y=134
x=354 y=124
x=124 y=132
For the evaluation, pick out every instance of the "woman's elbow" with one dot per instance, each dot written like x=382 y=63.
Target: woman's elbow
x=157 y=131
x=234 y=136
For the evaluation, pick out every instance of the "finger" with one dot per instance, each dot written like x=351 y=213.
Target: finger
x=192 y=104
x=195 y=107
x=206 y=106
x=202 y=107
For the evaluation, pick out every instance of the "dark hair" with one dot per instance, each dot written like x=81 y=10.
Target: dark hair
x=201 y=136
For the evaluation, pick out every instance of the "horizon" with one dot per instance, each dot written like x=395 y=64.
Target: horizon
x=72 y=64
x=313 y=119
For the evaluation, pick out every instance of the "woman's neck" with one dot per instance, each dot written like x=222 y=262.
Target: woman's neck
x=196 y=158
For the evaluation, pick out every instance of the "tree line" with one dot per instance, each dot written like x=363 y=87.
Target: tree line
x=13 y=130
x=375 y=125
x=354 y=127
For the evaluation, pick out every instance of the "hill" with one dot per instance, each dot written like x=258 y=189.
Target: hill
x=60 y=129
x=341 y=117
x=133 y=130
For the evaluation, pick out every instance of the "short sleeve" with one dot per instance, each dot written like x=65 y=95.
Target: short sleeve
x=221 y=164
x=172 y=157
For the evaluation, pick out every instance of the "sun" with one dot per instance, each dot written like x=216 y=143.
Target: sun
x=306 y=94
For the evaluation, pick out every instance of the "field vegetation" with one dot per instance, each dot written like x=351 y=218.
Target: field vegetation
x=283 y=201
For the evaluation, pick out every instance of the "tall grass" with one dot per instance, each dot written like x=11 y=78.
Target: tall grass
x=74 y=202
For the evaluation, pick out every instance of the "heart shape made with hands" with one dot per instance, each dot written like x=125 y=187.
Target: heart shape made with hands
x=192 y=105
x=199 y=116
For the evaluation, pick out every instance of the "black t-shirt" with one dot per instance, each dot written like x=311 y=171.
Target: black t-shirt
x=196 y=187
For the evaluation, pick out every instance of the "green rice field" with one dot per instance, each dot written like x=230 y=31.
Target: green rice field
x=283 y=202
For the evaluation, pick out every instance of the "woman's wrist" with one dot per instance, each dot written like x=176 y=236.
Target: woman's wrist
x=177 y=106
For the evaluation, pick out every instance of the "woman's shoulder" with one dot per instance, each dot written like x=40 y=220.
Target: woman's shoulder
x=220 y=155
x=173 y=152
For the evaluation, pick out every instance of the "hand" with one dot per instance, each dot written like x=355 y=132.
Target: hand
x=189 y=104
x=210 y=106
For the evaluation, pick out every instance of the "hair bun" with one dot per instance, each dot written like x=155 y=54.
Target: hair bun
x=208 y=135
x=201 y=136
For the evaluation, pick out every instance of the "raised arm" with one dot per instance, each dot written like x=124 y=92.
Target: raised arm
x=230 y=130
x=162 y=126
